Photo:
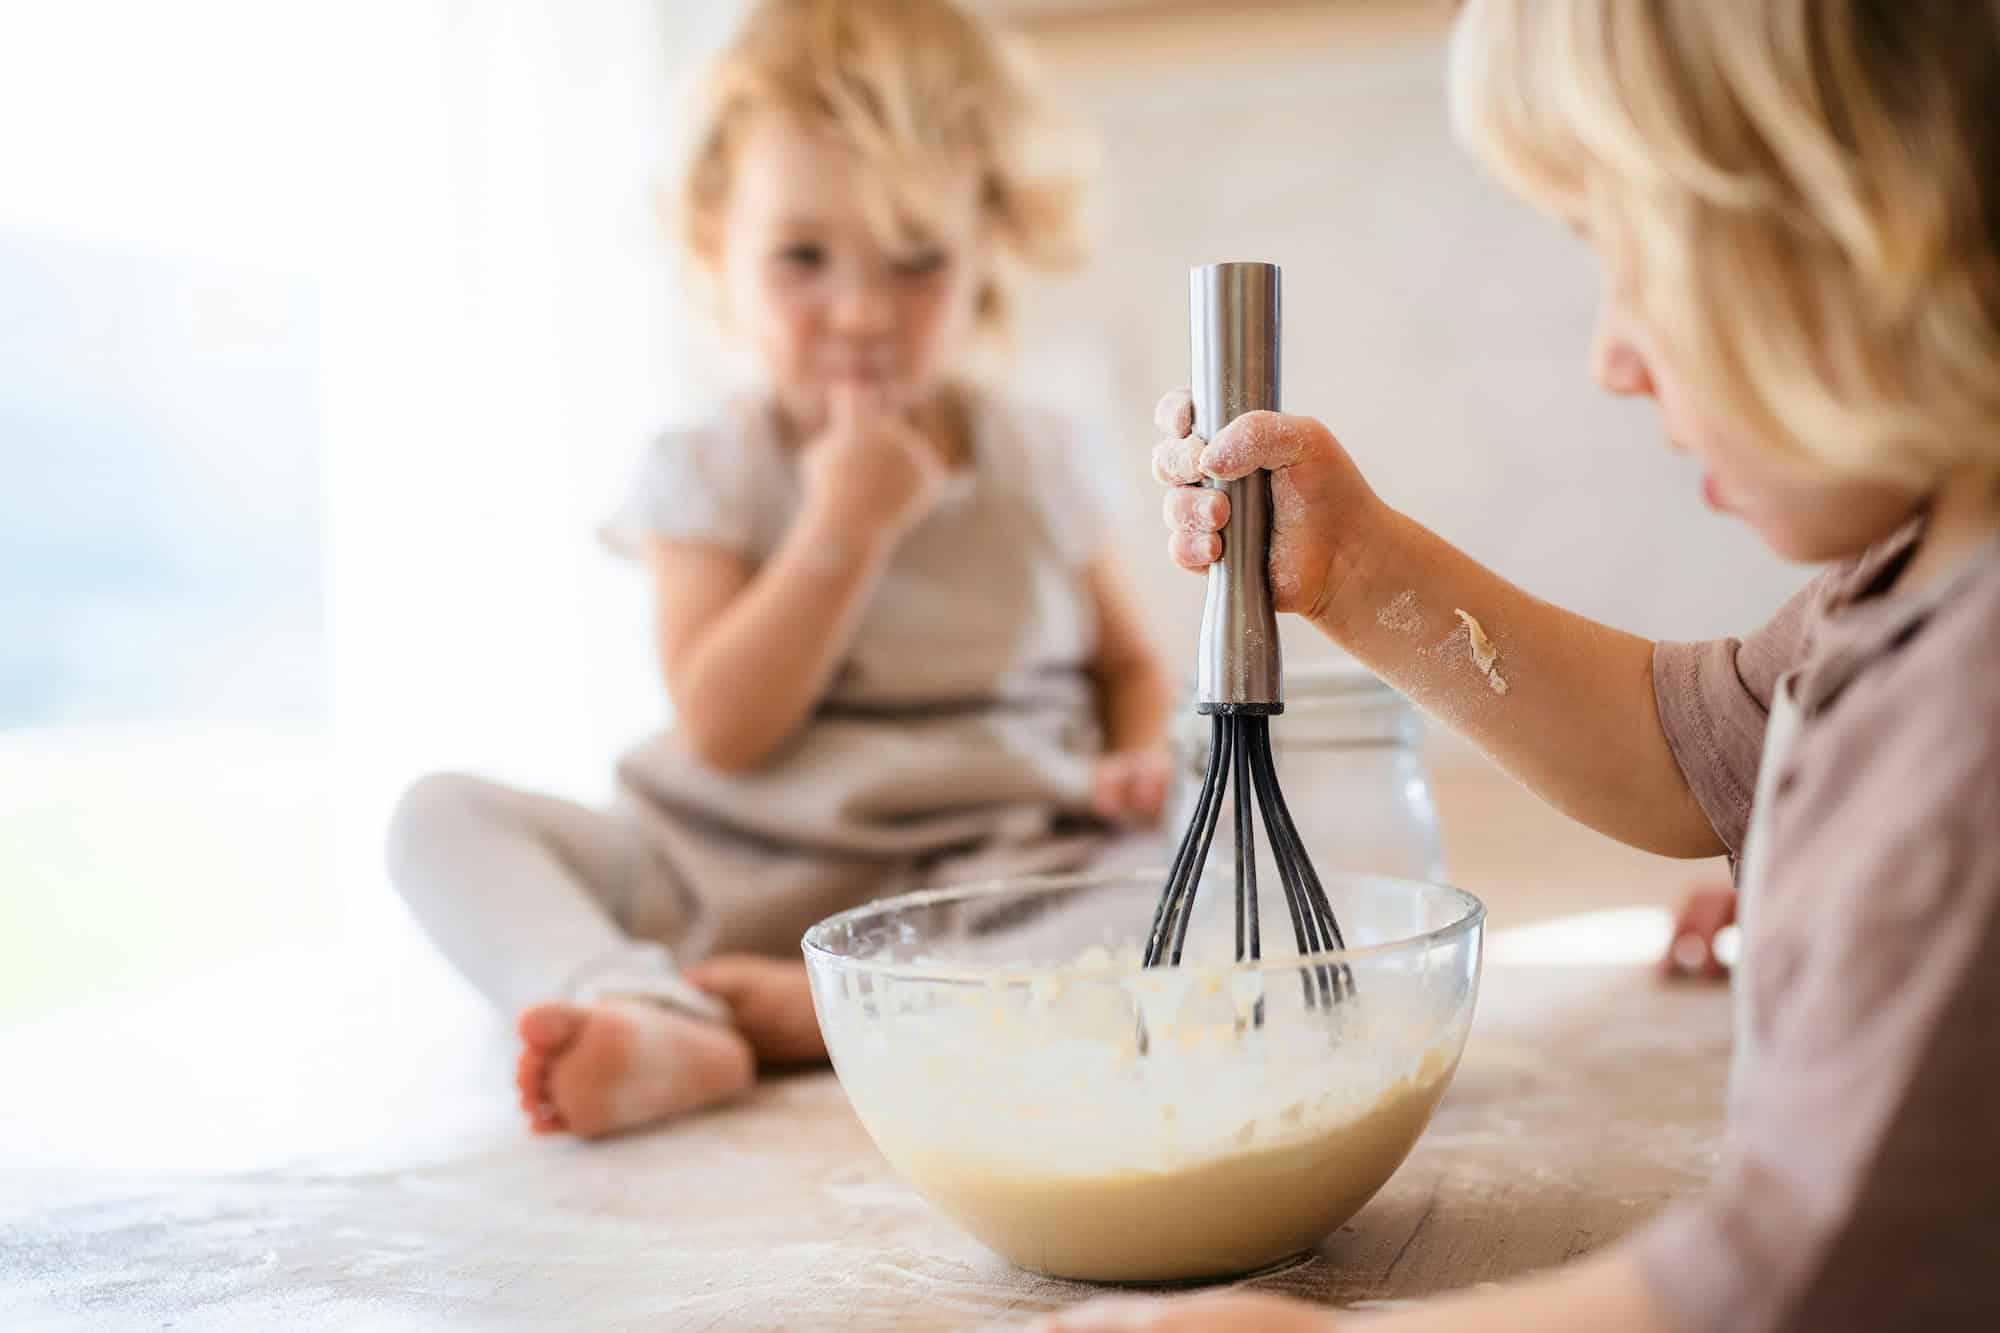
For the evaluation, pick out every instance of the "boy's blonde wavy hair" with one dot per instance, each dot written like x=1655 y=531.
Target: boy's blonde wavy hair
x=917 y=88
x=1800 y=199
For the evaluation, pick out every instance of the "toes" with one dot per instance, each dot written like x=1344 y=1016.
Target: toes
x=546 y=1031
x=531 y=1079
x=550 y=1027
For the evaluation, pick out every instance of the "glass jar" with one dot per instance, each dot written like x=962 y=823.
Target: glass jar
x=1349 y=758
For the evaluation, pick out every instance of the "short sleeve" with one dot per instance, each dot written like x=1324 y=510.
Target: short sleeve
x=1714 y=699
x=692 y=484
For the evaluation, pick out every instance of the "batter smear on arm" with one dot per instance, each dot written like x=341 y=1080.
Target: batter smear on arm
x=1484 y=654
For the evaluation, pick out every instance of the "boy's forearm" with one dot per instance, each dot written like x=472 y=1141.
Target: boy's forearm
x=1561 y=702
x=762 y=667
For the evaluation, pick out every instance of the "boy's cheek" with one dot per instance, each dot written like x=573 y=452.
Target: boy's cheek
x=1829 y=524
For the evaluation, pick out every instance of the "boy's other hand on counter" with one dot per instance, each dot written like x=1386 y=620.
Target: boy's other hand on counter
x=1704 y=913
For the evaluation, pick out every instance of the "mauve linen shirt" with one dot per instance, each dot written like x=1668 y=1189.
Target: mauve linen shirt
x=1860 y=1186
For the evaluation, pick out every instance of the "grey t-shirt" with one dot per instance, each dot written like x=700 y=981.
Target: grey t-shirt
x=1860 y=1187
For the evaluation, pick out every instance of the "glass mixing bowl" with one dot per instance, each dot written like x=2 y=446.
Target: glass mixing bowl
x=1089 y=1118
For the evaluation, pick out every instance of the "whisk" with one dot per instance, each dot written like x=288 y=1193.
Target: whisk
x=1234 y=318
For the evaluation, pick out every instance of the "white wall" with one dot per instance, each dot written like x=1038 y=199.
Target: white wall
x=502 y=331
x=1437 y=324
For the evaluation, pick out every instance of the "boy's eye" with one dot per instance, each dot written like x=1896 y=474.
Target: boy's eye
x=802 y=256
x=921 y=262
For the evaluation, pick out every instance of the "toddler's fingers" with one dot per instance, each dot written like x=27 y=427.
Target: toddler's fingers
x=1177 y=462
x=1196 y=509
x=1110 y=794
x=1149 y=792
x=852 y=403
x=1174 y=413
x=1264 y=440
x=1194 y=551
x=843 y=405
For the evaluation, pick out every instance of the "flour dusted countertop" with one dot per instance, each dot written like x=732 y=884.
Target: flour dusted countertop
x=288 y=1145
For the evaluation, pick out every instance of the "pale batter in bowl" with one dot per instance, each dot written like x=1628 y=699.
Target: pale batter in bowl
x=1012 y=1092
x=1233 y=1211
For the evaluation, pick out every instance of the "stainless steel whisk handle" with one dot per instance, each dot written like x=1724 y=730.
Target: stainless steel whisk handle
x=1234 y=319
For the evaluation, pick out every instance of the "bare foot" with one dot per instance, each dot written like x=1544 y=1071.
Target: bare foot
x=771 y=1003
x=599 y=1068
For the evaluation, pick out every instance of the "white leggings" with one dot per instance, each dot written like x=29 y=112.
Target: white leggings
x=536 y=898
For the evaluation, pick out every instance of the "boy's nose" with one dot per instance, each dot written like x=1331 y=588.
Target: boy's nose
x=1618 y=368
x=1615 y=359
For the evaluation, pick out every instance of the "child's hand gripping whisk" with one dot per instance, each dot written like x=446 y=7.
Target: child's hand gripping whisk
x=1235 y=325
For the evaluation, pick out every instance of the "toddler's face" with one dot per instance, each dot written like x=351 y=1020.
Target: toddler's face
x=1803 y=510
x=811 y=285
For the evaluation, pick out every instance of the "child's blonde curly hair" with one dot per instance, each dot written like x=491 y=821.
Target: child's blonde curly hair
x=916 y=88
x=1800 y=198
